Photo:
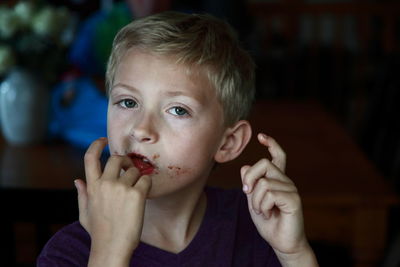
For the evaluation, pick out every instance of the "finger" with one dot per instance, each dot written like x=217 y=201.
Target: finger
x=258 y=194
x=92 y=159
x=267 y=205
x=114 y=165
x=277 y=153
x=244 y=169
x=144 y=184
x=277 y=185
x=130 y=176
x=285 y=202
x=243 y=172
x=82 y=201
x=275 y=174
x=250 y=175
x=262 y=169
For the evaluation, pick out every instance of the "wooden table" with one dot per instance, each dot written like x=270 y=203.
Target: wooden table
x=36 y=188
x=346 y=201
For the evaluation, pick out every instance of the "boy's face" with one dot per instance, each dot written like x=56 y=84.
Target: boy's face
x=166 y=119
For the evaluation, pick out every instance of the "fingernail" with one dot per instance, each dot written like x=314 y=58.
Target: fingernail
x=263 y=136
x=245 y=188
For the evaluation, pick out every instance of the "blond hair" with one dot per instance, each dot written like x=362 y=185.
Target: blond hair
x=194 y=40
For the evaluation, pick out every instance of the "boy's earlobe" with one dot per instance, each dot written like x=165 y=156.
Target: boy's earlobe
x=235 y=140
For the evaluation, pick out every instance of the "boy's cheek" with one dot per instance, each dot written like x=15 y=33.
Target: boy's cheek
x=112 y=142
x=116 y=124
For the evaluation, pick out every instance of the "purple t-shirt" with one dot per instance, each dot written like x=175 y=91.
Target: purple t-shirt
x=226 y=237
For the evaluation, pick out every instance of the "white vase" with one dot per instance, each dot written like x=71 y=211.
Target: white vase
x=24 y=106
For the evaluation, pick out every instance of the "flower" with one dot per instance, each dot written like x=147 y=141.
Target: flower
x=34 y=37
x=9 y=23
x=25 y=11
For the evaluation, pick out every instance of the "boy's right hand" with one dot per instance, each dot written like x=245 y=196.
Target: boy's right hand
x=111 y=206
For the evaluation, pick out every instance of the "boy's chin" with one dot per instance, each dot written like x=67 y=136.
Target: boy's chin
x=155 y=194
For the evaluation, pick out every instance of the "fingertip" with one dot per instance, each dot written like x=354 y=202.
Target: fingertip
x=76 y=183
x=79 y=184
x=245 y=188
x=262 y=138
x=243 y=171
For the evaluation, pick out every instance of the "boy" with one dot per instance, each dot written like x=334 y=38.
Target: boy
x=180 y=88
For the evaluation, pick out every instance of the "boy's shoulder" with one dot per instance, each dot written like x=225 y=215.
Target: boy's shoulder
x=69 y=246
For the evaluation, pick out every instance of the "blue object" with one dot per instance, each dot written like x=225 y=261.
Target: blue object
x=82 y=53
x=78 y=112
x=93 y=43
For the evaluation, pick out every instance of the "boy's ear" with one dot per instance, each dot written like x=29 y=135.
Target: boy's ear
x=234 y=141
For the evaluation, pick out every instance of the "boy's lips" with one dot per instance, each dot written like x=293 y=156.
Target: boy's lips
x=143 y=164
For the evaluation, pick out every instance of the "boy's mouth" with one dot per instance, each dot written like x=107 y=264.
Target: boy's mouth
x=143 y=164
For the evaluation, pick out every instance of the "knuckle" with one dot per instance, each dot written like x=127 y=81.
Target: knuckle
x=273 y=173
x=109 y=187
x=89 y=157
x=246 y=179
x=103 y=184
x=264 y=161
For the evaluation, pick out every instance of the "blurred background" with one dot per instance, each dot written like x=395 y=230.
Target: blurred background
x=341 y=54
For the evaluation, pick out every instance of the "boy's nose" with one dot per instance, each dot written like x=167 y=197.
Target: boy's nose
x=144 y=130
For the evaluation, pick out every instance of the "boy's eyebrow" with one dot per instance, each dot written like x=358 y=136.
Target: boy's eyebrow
x=177 y=93
x=198 y=97
x=124 y=86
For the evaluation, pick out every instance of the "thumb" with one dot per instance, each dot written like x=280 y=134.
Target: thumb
x=82 y=200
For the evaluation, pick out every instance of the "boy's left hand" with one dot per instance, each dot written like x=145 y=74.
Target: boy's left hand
x=274 y=202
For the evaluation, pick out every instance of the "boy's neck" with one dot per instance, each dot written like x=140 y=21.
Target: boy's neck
x=170 y=223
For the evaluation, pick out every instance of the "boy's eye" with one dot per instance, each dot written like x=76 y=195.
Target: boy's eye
x=127 y=103
x=178 y=111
